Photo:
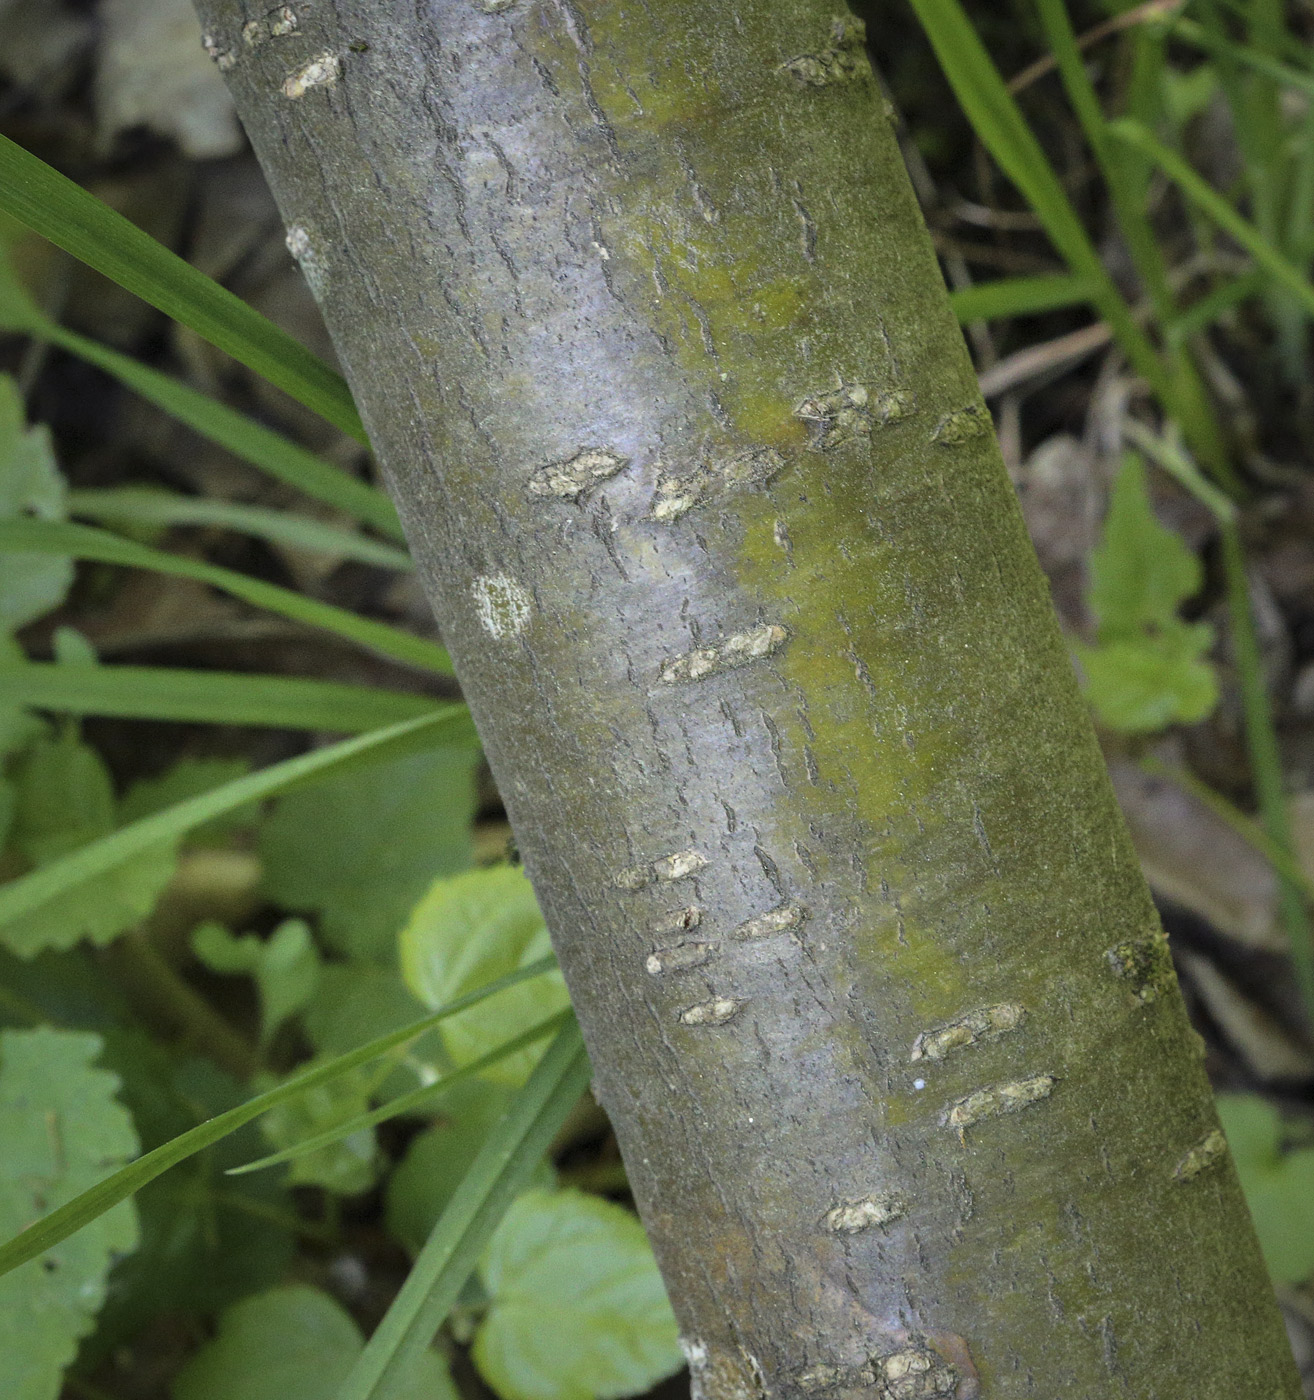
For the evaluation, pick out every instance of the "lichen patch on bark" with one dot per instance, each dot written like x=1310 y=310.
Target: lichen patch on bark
x=842 y=61
x=679 y=957
x=851 y=1217
x=781 y=919
x=721 y=476
x=715 y=1012
x=962 y=425
x=1146 y=964
x=324 y=70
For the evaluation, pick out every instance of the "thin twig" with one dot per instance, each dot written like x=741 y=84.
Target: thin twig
x=1152 y=9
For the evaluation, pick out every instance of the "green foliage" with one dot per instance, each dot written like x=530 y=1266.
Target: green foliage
x=1146 y=669
x=64 y=802
x=348 y=1165
x=464 y=932
x=30 y=485
x=62 y=1129
x=285 y=966
x=359 y=850
x=293 y=1343
x=577 y=1306
x=1279 y=1185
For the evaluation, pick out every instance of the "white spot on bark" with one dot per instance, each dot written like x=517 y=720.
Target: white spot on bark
x=1211 y=1149
x=853 y=1216
x=985 y=1023
x=502 y=605
x=678 y=957
x=778 y=920
x=275 y=26
x=299 y=245
x=223 y=58
x=999 y=1099
x=569 y=480
x=916 y=1374
x=715 y=1012
x=323 y=70
x=919 y=1084
x=962 y=425
x=737 y=650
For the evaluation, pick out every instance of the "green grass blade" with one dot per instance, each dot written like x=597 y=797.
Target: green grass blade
x=206 y=697
x=1282 y=73
x=262 y=447
x=53 y=206
x=407 y=1103
x=999 y=123
x=94 y=1202
x=1018 y=296
x=141 y=505
x=497 y=1175
x=1203 y=313
x=1215 y=207
x=84 y=542
x=447 y=724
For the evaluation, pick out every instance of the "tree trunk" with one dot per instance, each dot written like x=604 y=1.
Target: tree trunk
x=650 y=339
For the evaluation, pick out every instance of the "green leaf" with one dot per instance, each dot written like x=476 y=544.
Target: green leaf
x=189 y=777
x=347 y=1165
x=1279 y=1186
x=1140 y=572
x=1018 y=296
x=206 y=1240
x=53 y=206
x=361 y=850
x=578 y=1308
x=361 y=1001
x=140 y=505
x=65 y=804
x=1212 y=204
x=293 y=1343
x=30 y=486
x=93 y=1203
x=471 y=928
x=1141 y=684
x=437 y=1160
x=85 y=542
x=205 y=697
x=62 y=1130
x=500 y=1172
x=285 y=966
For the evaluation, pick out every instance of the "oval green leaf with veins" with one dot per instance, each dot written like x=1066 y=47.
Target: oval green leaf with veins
x=578 y=1308
x=465 y=932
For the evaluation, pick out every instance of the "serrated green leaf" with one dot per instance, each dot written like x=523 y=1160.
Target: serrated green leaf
x=346 y=1166
x=65 y=802
x=30 y=486
x=206 y=1239
x=285 y=966
x=362 y=849
x=578 y=1308
x=1142 y=684
x=62 y=1131
x=467 y=930
x=293 y=1343
x=1141 y=572
x=1279 y=1187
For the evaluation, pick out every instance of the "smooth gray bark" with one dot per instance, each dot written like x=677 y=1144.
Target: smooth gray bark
x=650 y=339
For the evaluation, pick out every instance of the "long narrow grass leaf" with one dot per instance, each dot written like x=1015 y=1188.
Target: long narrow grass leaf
x=94 y=1202
x=1282 y=73
x=52 y=205
x=497 y=1175
x=142 y=505
x=206 y=697
x=1214 y=304
x=1018 y=296
x=999 y=123
x=85 y=542
x=1215 y=207
x=407 y=1103
x=243 y=436
x=447 y=724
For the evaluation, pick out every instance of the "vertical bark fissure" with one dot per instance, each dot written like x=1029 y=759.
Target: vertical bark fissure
x=648 y=334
